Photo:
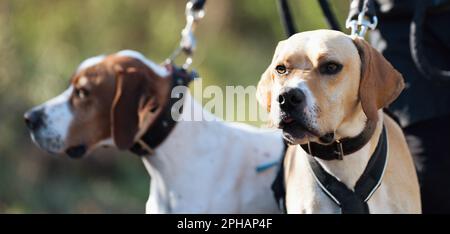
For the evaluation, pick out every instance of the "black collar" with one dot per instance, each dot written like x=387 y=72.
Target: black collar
x=354 y=201
x=164 y=123
x=345 y=146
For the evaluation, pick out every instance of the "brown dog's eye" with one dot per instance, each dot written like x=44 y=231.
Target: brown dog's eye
x=81 y=93
x=330 y=68
x=281 y=69
x=91 y=73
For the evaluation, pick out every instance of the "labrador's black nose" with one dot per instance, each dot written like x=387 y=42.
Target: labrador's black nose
x=291 y=98
x=33 y=119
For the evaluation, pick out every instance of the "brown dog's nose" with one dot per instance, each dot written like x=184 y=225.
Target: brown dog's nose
x=33 y=119
x=291 y=98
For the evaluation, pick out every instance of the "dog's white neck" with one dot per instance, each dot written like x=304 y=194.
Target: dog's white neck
x=349 y=170
x=210 y=167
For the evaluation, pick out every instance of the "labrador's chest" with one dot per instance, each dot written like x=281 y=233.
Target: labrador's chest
x=303 y=194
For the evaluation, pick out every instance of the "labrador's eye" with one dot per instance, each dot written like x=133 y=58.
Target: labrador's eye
x=81 y=93
x=330 y=68
x=281 y=69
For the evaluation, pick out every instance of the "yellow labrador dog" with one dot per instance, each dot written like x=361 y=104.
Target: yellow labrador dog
x=326 y=90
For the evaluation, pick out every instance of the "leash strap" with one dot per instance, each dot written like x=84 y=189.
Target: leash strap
x=286 y=18
x=416 y=38
x=288 y=22
x=354 y=202
x=333 y=23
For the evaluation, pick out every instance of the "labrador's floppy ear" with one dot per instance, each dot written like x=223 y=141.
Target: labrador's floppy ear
x=380 y=83
x=264 y=89
x=132 y=95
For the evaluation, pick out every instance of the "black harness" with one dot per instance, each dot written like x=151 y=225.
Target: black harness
x=350 y=201
x=164 y=123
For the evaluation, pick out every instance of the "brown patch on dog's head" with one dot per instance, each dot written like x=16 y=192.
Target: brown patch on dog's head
x=111 y=100
x=380 y=83
x=139 y=95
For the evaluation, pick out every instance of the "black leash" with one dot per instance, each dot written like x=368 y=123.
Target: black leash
x=416 y=43
x=198 y=5
x=365 y=11
x=286 y=18
x=329 y=15
x=288 y=21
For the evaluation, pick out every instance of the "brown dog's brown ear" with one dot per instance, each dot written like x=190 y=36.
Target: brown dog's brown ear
x=131 y=93
x=380 y=83
x=264 y=89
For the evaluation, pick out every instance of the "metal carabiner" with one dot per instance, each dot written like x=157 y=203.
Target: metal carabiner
x=366 y=23
x=362 y=17
x=352 y=25
x=360 y=26
x=188 y=41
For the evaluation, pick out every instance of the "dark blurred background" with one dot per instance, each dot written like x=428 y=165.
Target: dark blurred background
x=41 y=44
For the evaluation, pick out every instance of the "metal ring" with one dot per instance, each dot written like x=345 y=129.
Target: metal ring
x=195 y=14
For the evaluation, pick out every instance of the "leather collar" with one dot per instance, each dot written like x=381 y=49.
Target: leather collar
x=164 y=123
x=339 y=148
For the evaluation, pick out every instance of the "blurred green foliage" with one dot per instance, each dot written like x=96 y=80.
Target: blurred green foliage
x=43 y=41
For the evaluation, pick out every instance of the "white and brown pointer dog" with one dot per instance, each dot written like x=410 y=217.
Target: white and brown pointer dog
x=324 y=87
x=123 y=100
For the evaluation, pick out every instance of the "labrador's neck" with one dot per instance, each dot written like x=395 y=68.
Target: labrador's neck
x=350 y=168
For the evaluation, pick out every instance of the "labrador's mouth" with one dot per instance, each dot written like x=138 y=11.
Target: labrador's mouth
x=295 y=131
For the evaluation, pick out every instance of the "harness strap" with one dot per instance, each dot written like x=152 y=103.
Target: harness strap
x=278 y=186
x=164 y=123
x=354 y=202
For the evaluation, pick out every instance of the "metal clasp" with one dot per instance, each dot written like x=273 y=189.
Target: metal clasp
x=360 y=26
x=188 y=41
x=340 y=151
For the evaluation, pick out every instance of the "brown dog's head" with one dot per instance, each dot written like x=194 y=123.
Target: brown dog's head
x=324 y=81
x=106 y=104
